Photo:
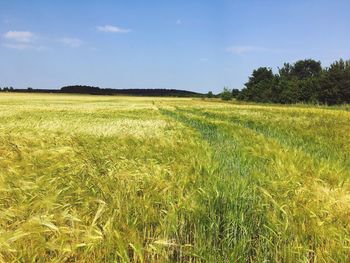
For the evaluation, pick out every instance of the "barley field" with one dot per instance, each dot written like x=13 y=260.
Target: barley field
x=130 y=179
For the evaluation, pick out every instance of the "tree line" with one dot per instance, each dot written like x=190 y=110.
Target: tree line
x=91 y=90
x=304 y=81
x=80 y=89
x=6 y=89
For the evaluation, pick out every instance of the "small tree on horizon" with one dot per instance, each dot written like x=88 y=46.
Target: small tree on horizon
x=210 y=94
x=226 y=94
x=235 y=93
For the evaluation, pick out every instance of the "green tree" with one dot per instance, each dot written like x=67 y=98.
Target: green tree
x=226 y=94
x=307 y=68
x=300 y=80
x=303 y=81
x=259 y=88
x=335 y=83
x=288 y=91
x=235 y=93
x=210 y=94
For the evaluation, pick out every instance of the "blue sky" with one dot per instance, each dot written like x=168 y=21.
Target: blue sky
x=194 y=45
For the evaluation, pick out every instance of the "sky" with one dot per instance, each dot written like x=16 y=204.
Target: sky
x=193 y=45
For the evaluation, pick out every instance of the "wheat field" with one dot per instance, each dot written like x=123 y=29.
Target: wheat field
x=130 y=179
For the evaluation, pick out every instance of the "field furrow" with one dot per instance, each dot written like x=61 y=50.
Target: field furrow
x=295 y=190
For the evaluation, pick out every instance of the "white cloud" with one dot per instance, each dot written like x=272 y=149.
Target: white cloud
x=17 y=46
x=22 y=40
x=178 y=22
x=23 y=46
x=245 y=49
x=19 y=36
x=72 y=42
x=112 y=29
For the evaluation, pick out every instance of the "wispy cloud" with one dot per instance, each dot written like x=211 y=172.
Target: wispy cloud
x=179 y=21
x=246 y=49
x=20 y=36
x=22 y=40
x=112 y=29
x=71 y=42
x=203 y=59
x=17 y=46
x=23 y=46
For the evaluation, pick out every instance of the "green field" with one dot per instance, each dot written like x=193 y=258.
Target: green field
x=122 y=179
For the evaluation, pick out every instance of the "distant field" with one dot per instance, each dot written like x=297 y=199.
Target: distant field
x=128 y=179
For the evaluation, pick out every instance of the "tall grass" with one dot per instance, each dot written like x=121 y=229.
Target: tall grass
x=119 y=179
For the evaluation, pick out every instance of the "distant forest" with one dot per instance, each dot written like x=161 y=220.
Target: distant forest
x=81 y=89
x=137 y=92
x=305 y=81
